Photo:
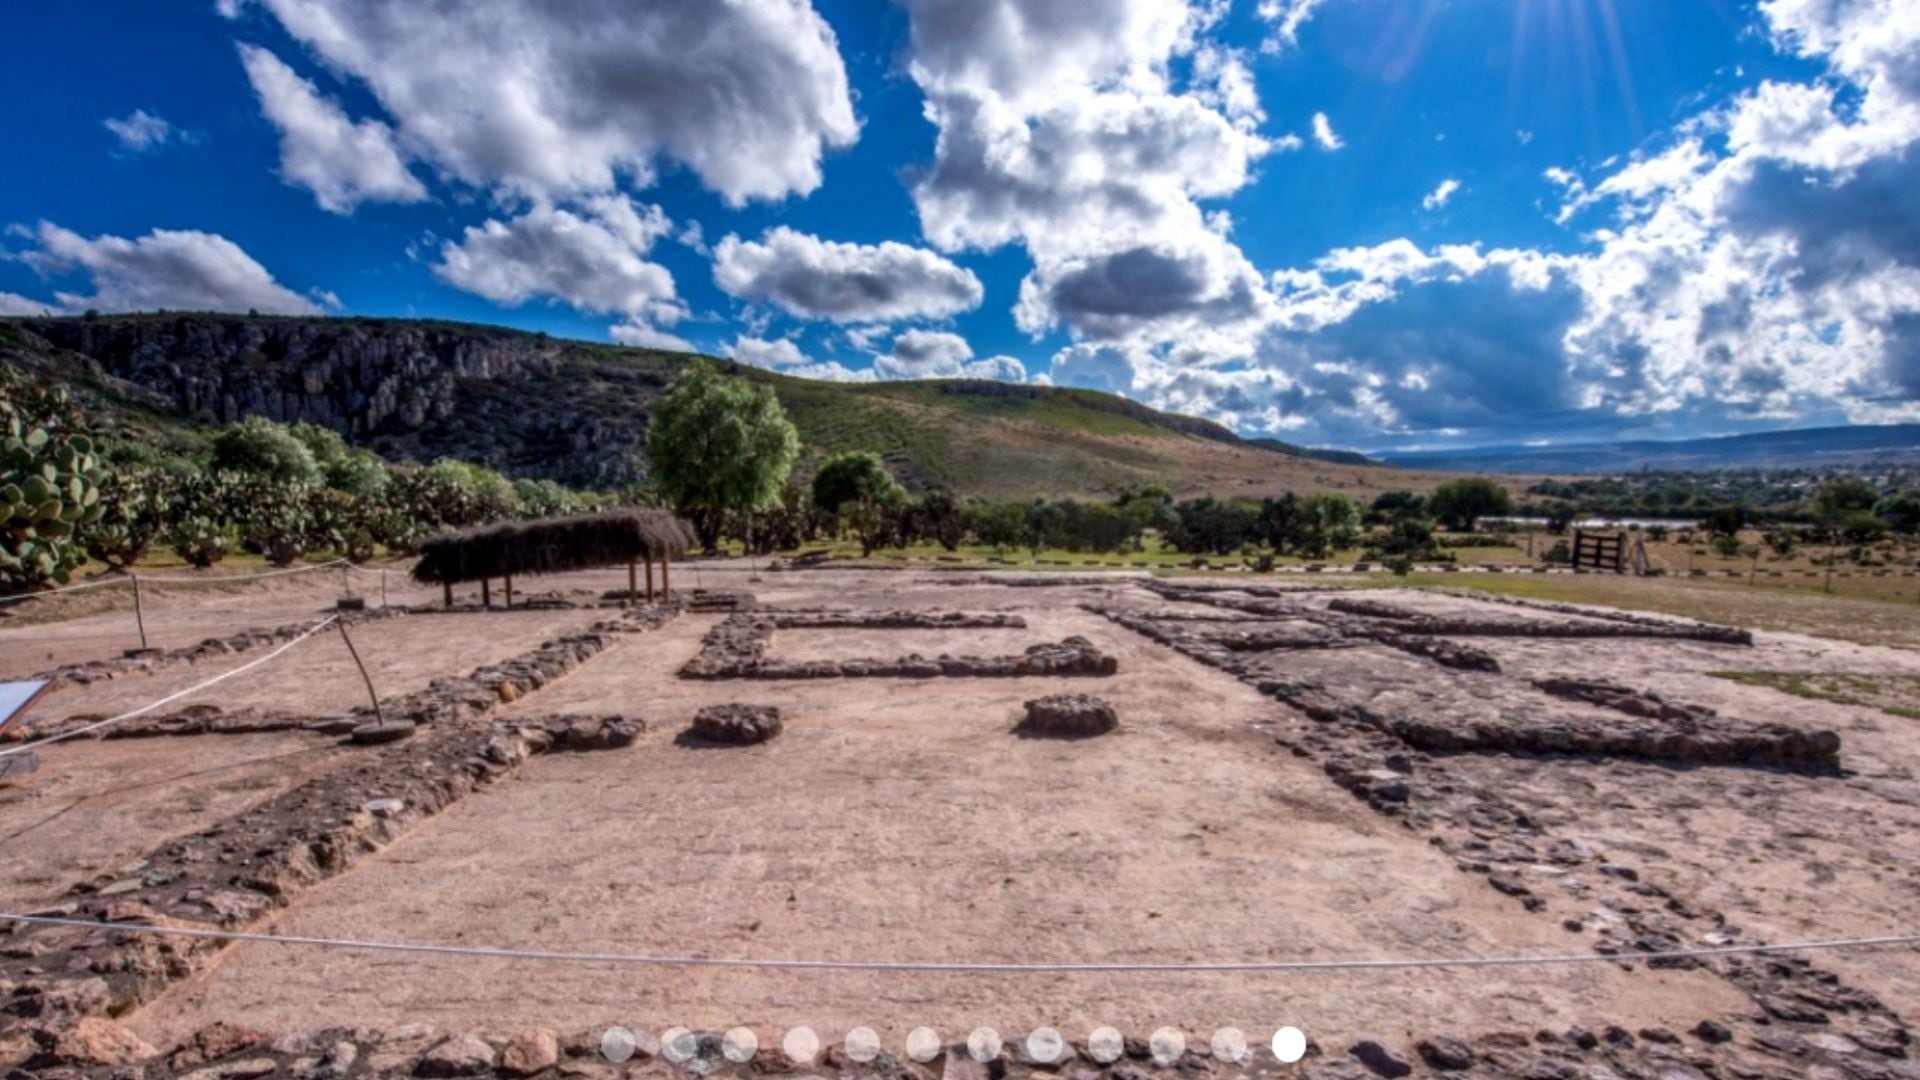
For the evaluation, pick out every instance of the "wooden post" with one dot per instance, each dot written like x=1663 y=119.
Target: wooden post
x=633 y=582
x=509 y=592
x=486 y=593
x=649 y=581
x=666 y=584
x=139 y=618
x=446 y=593
x=383 y=588
x=364 y=677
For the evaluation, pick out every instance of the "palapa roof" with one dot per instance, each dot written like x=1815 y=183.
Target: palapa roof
x=552 y=545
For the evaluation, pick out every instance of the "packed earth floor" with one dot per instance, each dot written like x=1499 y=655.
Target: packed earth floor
x=1299 y=773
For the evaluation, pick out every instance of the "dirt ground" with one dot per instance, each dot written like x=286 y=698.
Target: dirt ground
x=318 y=676
x=902 y=819
x=95 y=806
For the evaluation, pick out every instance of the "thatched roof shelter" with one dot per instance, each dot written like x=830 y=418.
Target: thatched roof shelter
x=553 y=545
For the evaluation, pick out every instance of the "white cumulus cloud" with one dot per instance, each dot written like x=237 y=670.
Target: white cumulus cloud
x=592 y=258
x=342 y=162
x=558 y=100
x=848 y=283
x=179 y=270
x=934 y=354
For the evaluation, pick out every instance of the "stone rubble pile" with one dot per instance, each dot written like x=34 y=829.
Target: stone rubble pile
x=1068 y=716
x=734 y=725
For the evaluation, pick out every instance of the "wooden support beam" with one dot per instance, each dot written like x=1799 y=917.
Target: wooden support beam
x=649 y=581
x=486 y=593
x=509 y=592
x=633 y=583
x=446 y=593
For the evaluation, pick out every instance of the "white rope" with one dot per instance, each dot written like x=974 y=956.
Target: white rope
x=170 y=698
x=181 y=579
x=189 y=579
x=63 y=589
x=481 y=952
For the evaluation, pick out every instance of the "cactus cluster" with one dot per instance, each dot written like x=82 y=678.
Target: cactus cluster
x=49 y=487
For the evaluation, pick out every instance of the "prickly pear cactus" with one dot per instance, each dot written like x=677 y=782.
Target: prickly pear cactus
x=49 y=486
x=135 y=505
x=200 y=541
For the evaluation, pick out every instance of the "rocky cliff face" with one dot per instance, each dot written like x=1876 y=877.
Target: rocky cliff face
x=360 y=378
x=406 y=389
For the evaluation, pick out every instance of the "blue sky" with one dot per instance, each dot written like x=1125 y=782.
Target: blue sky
x=1366 y=223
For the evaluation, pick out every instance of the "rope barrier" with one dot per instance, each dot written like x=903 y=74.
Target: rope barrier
x=170 y=698
x=482 y=952
x=183 y=579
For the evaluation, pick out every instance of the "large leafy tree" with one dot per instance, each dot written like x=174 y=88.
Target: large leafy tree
x=856 y=488
x=719 y=445
x=1460 y=504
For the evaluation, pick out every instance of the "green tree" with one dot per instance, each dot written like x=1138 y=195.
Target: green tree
x=259 y=447
x=357 y=473
x=1726 y=521
x=1901 y=512
x=717 y=445
x=1460 y=504
x=324 y=443
x=856 y=488
x=1841 y=496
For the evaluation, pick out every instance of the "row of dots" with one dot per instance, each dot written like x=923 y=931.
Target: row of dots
x=1044 y=1045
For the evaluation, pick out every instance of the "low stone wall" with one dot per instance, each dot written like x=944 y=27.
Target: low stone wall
x=1407 y=620
x=1683 y=742
x=93 y=671
x=892 y=620
x=736 y=648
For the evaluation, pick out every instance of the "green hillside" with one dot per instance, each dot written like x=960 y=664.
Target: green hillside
x=574 y=411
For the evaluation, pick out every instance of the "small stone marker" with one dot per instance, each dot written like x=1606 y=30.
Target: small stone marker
x=735 y=725
x=1068 y=716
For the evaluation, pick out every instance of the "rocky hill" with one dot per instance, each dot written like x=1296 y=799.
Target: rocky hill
x=531 y=405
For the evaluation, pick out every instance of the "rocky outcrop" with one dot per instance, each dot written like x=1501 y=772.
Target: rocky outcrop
x=407 y=389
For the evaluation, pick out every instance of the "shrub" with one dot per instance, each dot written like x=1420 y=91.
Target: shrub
x=262 y=448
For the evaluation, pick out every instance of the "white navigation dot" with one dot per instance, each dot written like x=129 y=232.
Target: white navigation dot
x=923 y=1044
x=679 y=1045
x=1289 y=1045
x=617 y=1044
x=1230 y=1045
x=983 y=1044
x=801 y=1045
x=1167 y=1044
x=1106 y=1045
x=1044 y=1045
x=739 y=1045
x=862 y=1045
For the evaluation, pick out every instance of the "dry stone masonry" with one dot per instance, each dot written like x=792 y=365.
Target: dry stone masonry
x=736 y=648
x=1422 y=771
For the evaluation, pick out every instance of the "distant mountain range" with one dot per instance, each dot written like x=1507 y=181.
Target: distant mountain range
x=1886 y=444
